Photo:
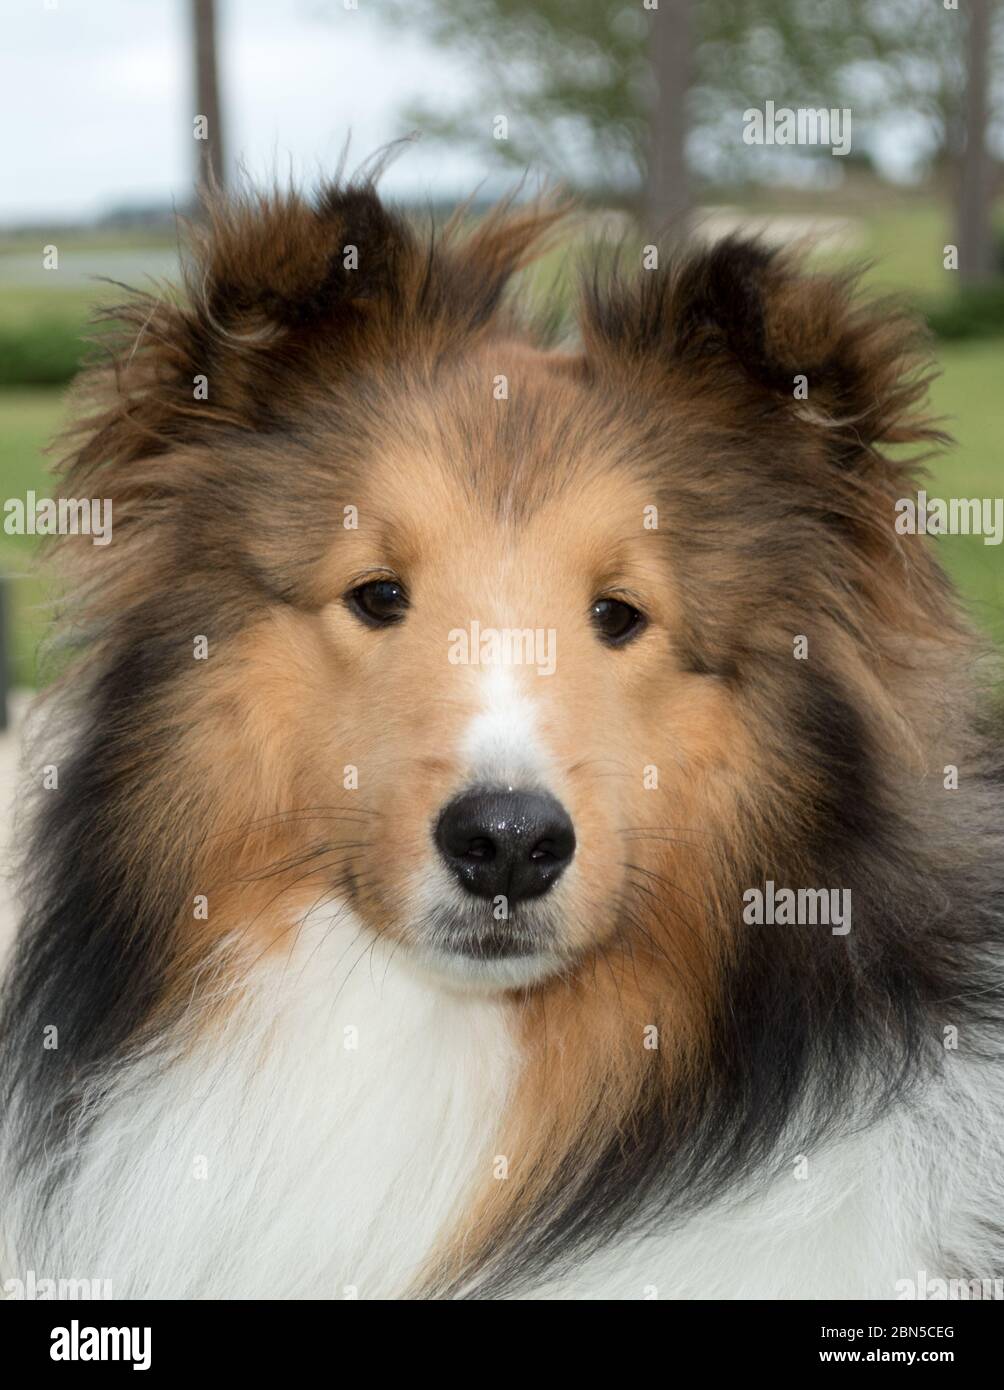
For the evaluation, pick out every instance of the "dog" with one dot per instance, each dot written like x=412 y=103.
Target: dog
x=522 y=821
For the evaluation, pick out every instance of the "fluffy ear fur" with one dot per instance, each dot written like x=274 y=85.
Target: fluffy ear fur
x=282 y=292
x=347 y=267
x=742 y=313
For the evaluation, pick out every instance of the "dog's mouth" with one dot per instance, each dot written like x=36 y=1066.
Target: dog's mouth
x=498 y=941
x=471 y=942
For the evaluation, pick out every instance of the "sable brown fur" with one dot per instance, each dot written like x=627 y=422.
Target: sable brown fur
x=776 y=519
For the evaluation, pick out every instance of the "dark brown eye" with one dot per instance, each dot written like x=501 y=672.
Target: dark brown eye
x=616 y=622
x=378 y=603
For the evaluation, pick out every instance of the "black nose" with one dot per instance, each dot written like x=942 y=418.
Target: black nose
x=505 y=843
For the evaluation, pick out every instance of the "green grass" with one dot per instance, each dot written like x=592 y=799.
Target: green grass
x=28 y=421
x=969 y=394
x=904 y=247
x=903 y=232
x=21 y=306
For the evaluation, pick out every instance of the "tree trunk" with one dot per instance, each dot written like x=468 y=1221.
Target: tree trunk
x=211 y=169
x=669 y=45
x=974 y=227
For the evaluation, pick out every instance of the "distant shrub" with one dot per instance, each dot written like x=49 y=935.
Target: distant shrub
x=970 y=313
x=47 y=352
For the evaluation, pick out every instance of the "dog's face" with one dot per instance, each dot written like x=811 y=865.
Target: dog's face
x=529 y=663
x=489 y=682
x=515 y=654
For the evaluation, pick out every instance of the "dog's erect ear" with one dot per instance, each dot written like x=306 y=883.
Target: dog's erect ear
x=345 y=267
x=283 y=292
x=738 y=314
x=269 y=264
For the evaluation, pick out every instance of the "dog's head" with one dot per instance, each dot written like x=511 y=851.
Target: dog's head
x=516 y=652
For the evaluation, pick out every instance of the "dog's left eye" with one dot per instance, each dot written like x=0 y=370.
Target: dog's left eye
x=616 y=622
x=378 y=603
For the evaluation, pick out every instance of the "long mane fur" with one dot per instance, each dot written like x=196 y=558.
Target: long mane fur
x=803 y=1038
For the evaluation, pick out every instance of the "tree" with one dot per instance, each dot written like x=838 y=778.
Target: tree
x=977 y=258
x=577 y=80
x=571 y=78
x=668 y=181
x=211 y=167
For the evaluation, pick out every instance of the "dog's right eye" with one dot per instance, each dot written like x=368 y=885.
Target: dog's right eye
x=616 y=622
x=378 y=603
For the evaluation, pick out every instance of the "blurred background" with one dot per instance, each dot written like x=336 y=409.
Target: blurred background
x=116 y=111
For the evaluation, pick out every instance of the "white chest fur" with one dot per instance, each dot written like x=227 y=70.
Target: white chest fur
x=317 y=1146
x=319 y=1141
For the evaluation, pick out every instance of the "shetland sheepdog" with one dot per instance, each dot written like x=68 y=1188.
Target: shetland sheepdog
x=521 y=820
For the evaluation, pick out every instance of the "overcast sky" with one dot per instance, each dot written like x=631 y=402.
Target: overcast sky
x=96 y=102
x=97 y=106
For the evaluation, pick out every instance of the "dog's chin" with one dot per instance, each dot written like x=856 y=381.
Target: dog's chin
x=469 y=947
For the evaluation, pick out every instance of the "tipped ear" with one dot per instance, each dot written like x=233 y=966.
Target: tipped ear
x=271 y=282
x=739 y=312
x=281 y=293
x=271 y=263
x=347 y=269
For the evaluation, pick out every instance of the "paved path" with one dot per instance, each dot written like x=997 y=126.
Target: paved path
x=826 y=233
x=80 y=269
